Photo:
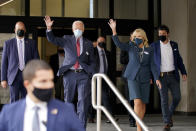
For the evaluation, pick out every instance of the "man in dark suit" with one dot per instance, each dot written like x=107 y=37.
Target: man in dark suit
x=78 y=65
x=38 y=111
x=168 y=61
x=56 y=62
x=16 y=53
x=104 y=65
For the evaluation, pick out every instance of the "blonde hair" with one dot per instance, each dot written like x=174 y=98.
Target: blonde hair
x=143 y=34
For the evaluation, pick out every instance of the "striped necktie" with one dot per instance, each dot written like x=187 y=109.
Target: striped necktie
x=35 y=125
x=76 y=66
x=21 y=55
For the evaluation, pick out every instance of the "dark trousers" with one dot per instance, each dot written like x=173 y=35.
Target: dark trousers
x=59 y=88
x=17 y=89
x=169 y=82
x=105 y=101
x=78 y=83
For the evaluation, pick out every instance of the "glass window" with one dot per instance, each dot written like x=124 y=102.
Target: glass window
x=54 y=8
x=46 y=7
x=35 y=7
x=14 y=8
x=77 y=8
x=131 y=9
x=59 y=8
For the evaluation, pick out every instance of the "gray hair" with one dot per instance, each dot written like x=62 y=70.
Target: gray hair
x=78 y=21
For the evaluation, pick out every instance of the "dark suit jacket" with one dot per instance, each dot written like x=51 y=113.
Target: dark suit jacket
x=10 y=60
x=109 y=61
x=135 y=67
x=54 y=63
x=86 y=59
x=178 y=62
x=63 y=119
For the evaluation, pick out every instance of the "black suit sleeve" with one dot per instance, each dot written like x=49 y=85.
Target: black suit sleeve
x=124 y=57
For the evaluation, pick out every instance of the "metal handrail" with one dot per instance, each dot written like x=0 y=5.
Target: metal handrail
x=97 y=105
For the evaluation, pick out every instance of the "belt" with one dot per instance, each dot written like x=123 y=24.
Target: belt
x=167 y=73
x=76 y=70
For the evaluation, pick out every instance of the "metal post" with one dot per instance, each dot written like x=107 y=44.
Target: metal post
x=101 y=108
x=99 y=83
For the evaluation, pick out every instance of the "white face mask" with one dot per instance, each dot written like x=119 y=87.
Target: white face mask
x=77 y=33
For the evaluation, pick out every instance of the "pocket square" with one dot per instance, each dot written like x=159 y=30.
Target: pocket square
x=54 y=111
x=146 y=53
x=87 y=53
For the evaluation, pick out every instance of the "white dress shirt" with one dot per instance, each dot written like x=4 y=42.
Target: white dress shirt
x=23 y=47
x=81 y=50
x=101 y=67
x=29 y=113
x=167 y=58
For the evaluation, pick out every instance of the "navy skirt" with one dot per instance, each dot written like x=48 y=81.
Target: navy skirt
x=138 y=90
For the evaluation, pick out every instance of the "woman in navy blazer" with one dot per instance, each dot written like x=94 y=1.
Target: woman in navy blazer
x=139 y=69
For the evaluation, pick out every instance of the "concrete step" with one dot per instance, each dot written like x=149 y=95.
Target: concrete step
x=153 y=121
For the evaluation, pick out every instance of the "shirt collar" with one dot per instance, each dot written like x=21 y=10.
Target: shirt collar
x=20 y=39
x=99 y=48
x=81 y=38
x=166 y=43
x=30 y=104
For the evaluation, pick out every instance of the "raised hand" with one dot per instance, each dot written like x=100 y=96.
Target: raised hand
x=48 y=22
x=112 y=24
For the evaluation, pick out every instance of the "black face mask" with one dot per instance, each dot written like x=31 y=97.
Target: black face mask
x=43 y=94
x=102 y=45
x=20 y=33
x=162 y=38
x=61 y=51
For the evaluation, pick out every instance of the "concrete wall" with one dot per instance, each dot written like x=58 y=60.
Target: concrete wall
x=179 y=16
x=191 y=56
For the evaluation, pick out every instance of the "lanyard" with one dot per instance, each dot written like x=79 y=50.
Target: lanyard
x=142 y=54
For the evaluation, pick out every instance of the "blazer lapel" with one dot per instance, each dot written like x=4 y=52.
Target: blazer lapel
x=173 y=48
x=52 y=113
x=137 y=54
x=15 y=49
x=20 y=124
x=74 y=45
x=25 y=50
x=84 y=46
x=159 y=50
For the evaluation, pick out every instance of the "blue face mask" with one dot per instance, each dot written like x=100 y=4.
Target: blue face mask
x=77 y=33
x=138 y=41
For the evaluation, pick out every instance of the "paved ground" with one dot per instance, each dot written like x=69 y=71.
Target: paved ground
x=154 y=122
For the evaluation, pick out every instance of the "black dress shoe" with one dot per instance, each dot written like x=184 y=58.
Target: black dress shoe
x=166 y=127
x=171 y=123
x=91 y=120
x=132 y=124
x=108 y=121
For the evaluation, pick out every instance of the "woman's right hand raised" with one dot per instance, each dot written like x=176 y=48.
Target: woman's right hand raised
x=112 y=24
